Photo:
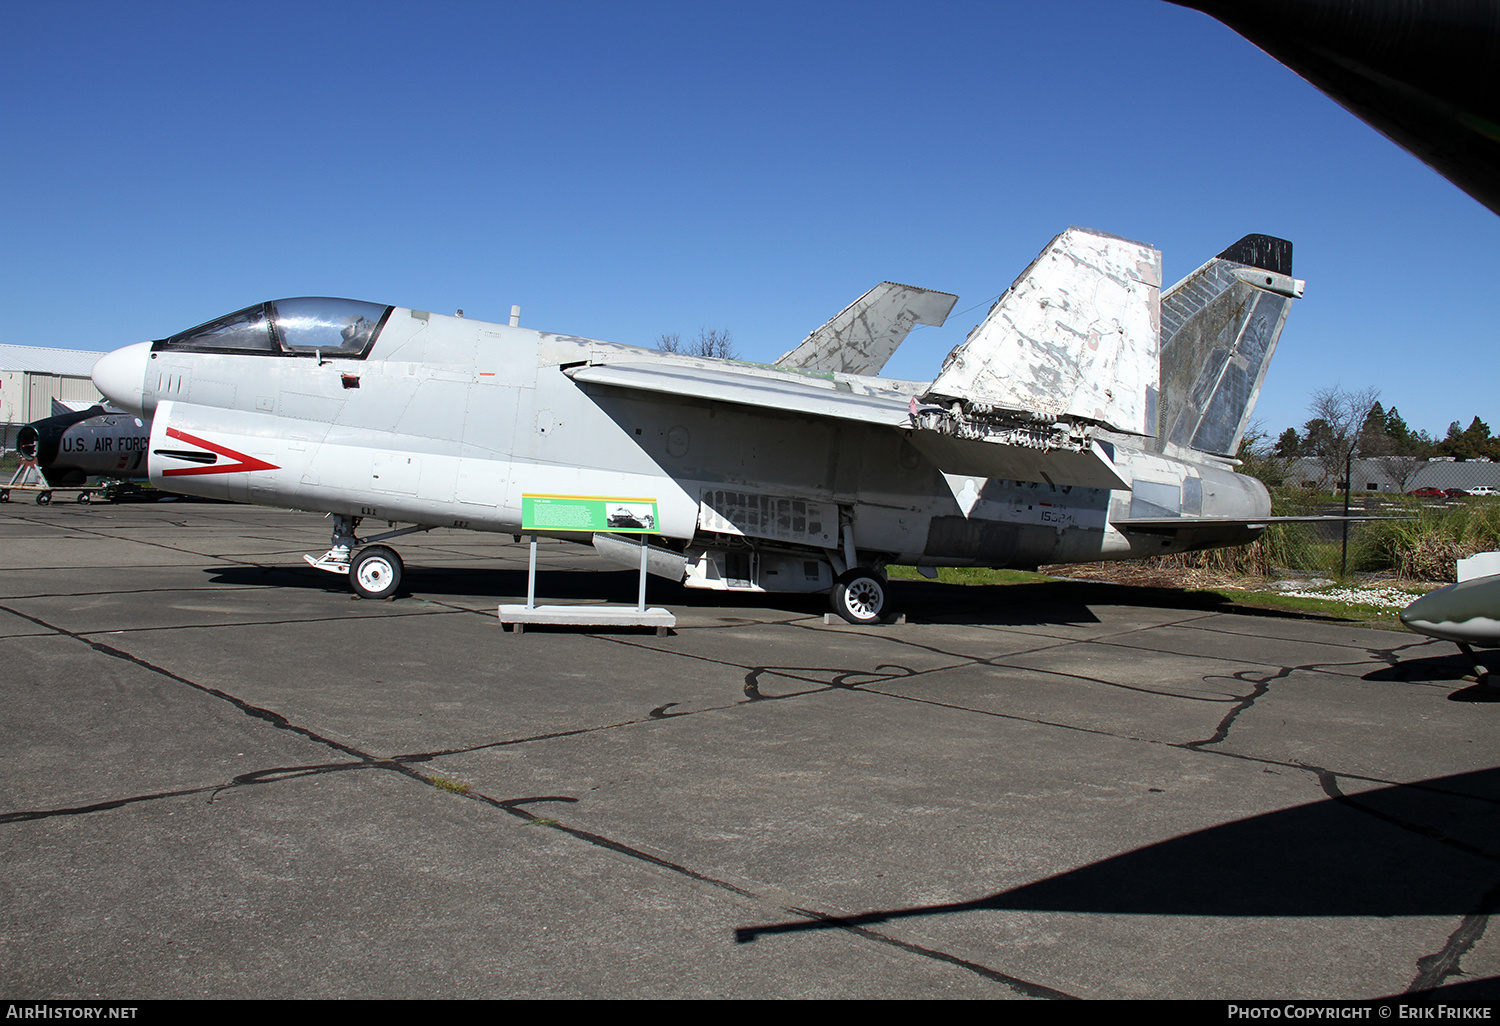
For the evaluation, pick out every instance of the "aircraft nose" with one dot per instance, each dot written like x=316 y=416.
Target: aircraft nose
x=121 y=376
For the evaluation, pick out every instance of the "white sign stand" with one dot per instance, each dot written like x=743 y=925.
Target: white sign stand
x=586 y=616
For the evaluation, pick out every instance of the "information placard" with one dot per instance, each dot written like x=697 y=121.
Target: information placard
x=616 y=514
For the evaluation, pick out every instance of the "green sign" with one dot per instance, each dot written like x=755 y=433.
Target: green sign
x=612 y=513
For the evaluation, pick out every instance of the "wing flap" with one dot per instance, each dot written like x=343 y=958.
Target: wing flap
x=1090 y=468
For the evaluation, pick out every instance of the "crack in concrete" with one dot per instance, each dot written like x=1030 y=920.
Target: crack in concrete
x=513 y=807
x=1432 y=969
x=1259 y=687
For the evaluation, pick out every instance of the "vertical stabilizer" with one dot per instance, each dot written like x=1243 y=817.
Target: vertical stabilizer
x=1219 y=327
x=862 y=337
x=1075 y=337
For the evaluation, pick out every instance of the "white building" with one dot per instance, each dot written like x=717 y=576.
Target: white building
x=1374 y=475
x=31 y=377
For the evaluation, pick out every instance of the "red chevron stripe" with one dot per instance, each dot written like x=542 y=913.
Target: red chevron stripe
x=244 y=464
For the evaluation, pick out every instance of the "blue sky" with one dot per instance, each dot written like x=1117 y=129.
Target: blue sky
x=625 y=169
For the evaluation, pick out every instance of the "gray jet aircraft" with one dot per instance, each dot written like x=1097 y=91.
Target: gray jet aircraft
x=1464 y=613
x=72 y=446
x=1088 y=417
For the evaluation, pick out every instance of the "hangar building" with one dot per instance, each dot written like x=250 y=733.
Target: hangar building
x=31 y=377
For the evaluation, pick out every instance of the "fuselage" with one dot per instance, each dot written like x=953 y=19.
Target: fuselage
x=1466 y=613
x=70 y=448
x=434 y=420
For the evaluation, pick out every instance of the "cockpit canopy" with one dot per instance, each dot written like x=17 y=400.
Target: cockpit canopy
x=309 y=326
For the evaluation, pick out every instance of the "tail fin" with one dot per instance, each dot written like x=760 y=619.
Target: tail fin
x=862 y=337
x=1074 y=337
x=1219 y=327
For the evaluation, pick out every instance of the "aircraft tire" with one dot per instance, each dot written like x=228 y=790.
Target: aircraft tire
x=376 y=572
x=860 y=596
x=4 y=494
x=43 y=498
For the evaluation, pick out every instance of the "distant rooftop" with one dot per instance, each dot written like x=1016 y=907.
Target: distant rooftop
x=73 y=362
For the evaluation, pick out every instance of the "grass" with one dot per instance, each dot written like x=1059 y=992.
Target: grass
x=1423 y=547
x=967 y=575
x=1369 y=615
x=453 y=786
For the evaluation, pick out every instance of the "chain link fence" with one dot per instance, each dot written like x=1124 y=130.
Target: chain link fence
x=1423 y=547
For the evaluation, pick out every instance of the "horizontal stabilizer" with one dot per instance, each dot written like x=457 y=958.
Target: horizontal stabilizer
x=861 y=338
x=1164 y=523
x=1075 y=337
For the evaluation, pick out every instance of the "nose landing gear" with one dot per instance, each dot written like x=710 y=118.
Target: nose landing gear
x=376 y=571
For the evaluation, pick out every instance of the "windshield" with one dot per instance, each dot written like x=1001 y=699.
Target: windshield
x=243 y=331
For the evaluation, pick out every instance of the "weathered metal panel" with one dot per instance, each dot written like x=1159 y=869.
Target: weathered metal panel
x=1220 y=326
x=1076 y=336
x=862 y=337
x=747 y=386
x=777 y=517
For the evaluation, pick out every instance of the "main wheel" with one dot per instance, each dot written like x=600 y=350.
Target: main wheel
x=375 y=573
x=43 y=498
x=859 y=596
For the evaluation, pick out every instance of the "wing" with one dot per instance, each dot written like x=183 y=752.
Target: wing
x=1022 y=457
x=1075 y=337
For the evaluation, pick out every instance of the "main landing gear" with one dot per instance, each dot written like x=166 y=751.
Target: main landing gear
x=375 y=572
x=860 y=595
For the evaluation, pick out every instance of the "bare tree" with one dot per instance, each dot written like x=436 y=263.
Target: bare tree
x=716 y=343
x=1259 y=458
x=1342 y=415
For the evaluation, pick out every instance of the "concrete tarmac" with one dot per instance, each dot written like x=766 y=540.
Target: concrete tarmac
x=224 y=776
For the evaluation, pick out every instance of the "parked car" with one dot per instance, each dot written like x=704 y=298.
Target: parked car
x=1484 y=490
x=1427 y=493
x=1455 y=493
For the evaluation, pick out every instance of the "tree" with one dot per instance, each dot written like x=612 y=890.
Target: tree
x=1470 y=443
x=716 y=343
x=1340 y=415
x=1396 y=429
x=1260 y=459
x=1289 y=445
x=1393 y=446
x=1372 y=435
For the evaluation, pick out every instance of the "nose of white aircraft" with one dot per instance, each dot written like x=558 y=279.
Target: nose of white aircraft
x=121 y=376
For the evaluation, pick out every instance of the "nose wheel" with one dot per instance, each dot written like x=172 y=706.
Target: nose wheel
x=376 y=572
